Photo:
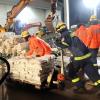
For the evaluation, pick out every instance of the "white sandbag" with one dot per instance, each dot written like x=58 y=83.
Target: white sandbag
x=31 y=70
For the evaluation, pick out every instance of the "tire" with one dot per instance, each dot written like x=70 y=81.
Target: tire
x=8 y=69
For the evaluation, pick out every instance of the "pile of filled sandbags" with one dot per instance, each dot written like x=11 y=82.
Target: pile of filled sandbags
x=13 y=46
x=20 y=49
x=31 y=70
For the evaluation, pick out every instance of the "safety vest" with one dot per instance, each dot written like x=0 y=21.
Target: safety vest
x=81 y=33
x=93 y=36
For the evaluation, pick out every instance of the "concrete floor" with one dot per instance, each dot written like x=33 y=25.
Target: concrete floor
x=29 y=93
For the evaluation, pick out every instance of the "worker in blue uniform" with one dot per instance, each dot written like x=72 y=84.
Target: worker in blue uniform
x=81 y=57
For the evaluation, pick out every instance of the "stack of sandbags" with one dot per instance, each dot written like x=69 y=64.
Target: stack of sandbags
x=3 y=37
x=6 y=35
x=20 y=49
x=8 y=44
x=34 y=70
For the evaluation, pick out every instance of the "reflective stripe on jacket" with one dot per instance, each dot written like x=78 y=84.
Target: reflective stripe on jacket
x=75 y=45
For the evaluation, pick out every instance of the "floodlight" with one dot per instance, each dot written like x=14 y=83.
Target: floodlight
x=25 y=15
x=91 y=3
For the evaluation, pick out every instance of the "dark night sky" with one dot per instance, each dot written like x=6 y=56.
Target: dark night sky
x=79 y=13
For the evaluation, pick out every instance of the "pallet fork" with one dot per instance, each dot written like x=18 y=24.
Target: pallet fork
x=59 y=75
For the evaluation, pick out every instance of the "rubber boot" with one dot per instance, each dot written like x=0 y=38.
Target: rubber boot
x=79 y=87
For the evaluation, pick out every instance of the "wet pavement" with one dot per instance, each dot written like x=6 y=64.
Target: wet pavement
x=29 y=93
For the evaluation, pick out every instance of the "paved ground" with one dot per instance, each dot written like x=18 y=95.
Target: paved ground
x=29 y=93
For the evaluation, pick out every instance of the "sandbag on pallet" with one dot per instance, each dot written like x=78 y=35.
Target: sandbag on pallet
x=34 y=70
x=11 y=44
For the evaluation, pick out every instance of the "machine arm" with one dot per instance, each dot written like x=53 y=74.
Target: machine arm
x=15 y=11
x=53 y=6
x=28 y=26
x=50 y=17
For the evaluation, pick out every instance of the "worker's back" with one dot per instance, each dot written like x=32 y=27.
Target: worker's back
x=38 y=47
x=93 y=36
x=81 y=33
x=46 y=46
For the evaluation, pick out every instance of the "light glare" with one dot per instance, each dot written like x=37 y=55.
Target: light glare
x=25 y=15
x=91 y=3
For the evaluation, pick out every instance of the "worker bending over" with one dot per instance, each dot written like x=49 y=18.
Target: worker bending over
x=37 y=46
x=81 y=57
